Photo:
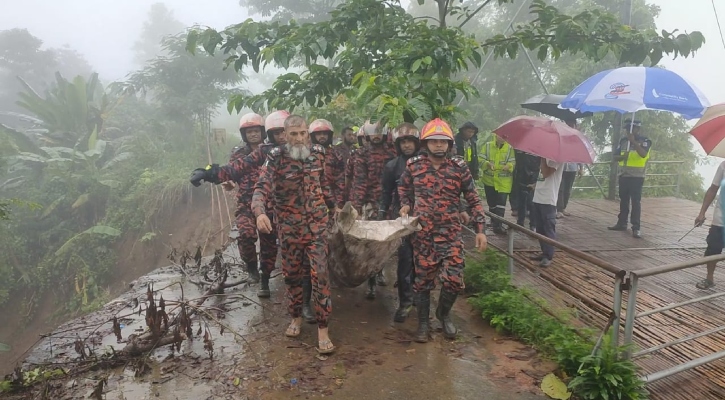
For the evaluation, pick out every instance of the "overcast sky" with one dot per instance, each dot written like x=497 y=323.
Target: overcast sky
x=105 y=30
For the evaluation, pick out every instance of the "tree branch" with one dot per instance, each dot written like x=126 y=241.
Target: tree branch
x=471 y=15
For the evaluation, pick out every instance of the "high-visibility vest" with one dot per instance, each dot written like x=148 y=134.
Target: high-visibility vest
x=634 y=160
x=501 y=180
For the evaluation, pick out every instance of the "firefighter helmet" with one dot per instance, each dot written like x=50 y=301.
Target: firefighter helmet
x=320 y=126
x=275 y=121
x=251 y=120
x=436 y=129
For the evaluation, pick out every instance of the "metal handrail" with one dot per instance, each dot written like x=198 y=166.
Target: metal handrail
x=633 y=315
x=605 y=265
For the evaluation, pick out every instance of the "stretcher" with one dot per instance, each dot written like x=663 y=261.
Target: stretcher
x=359 y=249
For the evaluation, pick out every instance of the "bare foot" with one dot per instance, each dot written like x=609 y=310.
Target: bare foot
x=293 y=330
x=324 y=344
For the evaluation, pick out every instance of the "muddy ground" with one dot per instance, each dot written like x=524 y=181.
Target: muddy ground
x=252 y=359
x=184 y=224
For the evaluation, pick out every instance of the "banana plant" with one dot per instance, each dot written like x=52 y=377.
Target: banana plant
x=71 y=111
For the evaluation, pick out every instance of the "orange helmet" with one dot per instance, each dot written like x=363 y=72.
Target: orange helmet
x=249 y=121
x=275 y=121
x=321 y=126
x=436 y=129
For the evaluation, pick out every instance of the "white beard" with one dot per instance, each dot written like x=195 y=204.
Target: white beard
x=298 y=152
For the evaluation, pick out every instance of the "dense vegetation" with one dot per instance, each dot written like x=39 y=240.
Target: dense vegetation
x=87 y=162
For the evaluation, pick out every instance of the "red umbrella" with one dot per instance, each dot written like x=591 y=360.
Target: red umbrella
x=546 y=138
x=710 y=131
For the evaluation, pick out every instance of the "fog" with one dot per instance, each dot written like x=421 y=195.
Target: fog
x=105 y=31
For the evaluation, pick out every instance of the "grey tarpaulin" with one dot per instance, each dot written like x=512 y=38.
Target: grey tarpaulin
x=359 y=249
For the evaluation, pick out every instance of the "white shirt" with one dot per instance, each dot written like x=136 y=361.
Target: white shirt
x=547 y=190
x=717 y=214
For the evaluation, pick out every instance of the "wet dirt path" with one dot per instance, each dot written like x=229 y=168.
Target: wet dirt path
x=375 y=358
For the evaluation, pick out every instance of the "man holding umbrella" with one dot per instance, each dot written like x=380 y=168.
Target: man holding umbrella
x=633 y=153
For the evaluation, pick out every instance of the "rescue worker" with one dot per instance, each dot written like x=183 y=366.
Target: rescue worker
x=367 y=185
x=338 y=162
x=431 y=188
x=321 y=133
x=714 y=238
x=633 y=153
x=251 y=128
x=293 y=176
x=498 y=170
x=406 y=140
x=350 y=164
x=467 y=147
x=247 y=170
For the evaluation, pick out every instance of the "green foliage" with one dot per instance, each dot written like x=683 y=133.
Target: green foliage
x=23 y=55
x=512 y=310
x=605 y=376
x=382 y=56
x=285 y=10
x=72 y=112
x=186 y=89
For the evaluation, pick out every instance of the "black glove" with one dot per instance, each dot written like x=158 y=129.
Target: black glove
x=382 y=215
x=208 y=174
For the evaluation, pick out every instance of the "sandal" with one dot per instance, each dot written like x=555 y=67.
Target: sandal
x=322 y=347
x=705 y=284
x=293 y=330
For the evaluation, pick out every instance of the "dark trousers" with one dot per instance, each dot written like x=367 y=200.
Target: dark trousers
x=630 y=189
x=544 y=217
x=525 y=202
x=496 y=202
x=515 y=194
x=567 y=183
x=405 y=273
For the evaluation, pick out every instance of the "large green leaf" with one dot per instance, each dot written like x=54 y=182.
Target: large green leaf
x=95 y=230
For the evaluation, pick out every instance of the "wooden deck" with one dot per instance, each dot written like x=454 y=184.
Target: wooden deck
x=586 y=292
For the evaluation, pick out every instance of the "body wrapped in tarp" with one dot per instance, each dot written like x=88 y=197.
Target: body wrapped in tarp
x=359 y=249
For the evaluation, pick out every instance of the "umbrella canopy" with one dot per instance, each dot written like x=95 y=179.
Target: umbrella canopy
x=710 y=131
x=630 y=89
x=548 y=104
x=546 y=138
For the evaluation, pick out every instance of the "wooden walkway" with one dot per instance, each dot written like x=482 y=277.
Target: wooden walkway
x=585 y=292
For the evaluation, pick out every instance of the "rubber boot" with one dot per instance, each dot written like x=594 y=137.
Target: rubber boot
x=307 y=314
x=264 y=292
x=498 y=225
x=381 y=279
x=405 y=302
x=372 y=282
x=445 y=303
x=253 y=272
x=423 y=305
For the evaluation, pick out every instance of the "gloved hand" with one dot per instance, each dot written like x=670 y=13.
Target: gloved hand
x=208 y=174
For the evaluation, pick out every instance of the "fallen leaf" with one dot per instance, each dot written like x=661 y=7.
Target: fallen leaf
x=321 y=357
x=236 y=381
x=553 y=387
x=410 y=351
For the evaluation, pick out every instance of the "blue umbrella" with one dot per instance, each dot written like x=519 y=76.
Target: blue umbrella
x=631 y=89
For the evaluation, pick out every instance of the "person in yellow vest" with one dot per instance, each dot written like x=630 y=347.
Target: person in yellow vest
x=497 y=159
x=632 y=154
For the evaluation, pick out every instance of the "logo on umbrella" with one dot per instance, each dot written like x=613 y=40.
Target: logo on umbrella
x=616 y=90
